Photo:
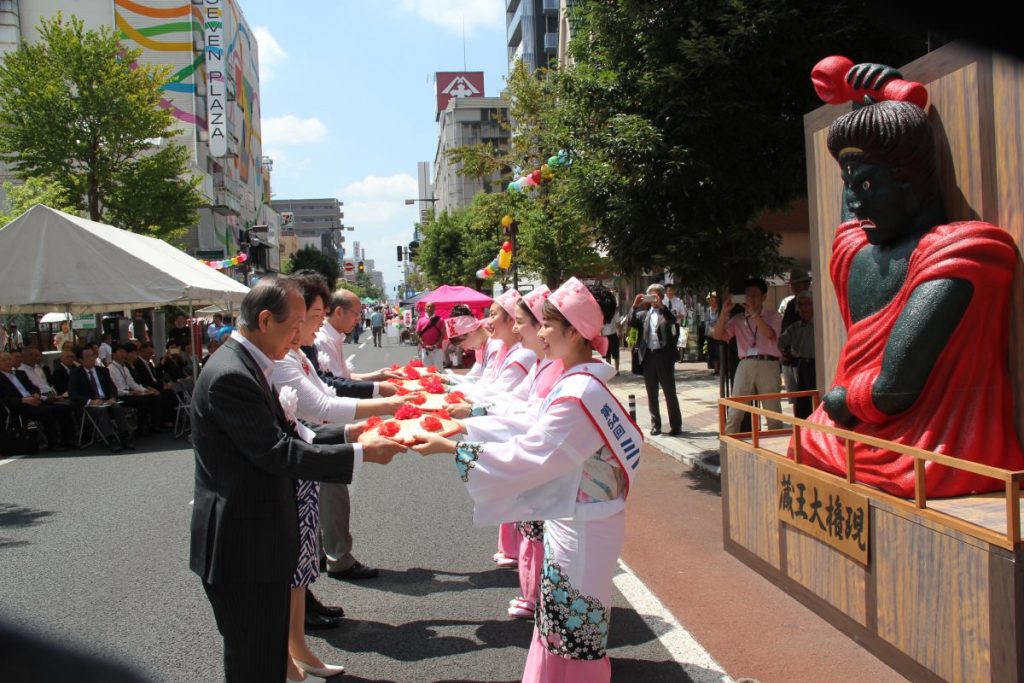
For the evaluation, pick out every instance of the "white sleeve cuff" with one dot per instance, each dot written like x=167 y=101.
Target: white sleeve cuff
x=357 y=459
x=376 y=390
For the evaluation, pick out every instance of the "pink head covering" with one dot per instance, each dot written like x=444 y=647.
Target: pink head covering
x=535 y=301
x=460 y=325
x=508 y=301
x=577 y=304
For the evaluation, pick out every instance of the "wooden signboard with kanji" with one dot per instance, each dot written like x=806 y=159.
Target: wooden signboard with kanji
x=819 y=508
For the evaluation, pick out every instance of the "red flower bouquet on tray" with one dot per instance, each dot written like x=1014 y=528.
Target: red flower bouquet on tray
x=408 y=412
x=417 y=399
x=389 y=428
x=455 y=397
x=431 y=423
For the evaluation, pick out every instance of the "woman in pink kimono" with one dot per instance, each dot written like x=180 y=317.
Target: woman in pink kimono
x=573 y=468
x=464 y=330
x=511 y=414
x=506 y=365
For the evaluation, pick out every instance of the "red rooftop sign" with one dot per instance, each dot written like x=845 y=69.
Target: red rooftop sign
x=457 y=84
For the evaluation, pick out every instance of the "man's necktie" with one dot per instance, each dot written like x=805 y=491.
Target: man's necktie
x=96 y=384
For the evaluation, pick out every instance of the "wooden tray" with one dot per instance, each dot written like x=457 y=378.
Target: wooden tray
x=449 y=427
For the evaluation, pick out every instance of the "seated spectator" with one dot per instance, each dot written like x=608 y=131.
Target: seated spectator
x=62 y=372
x=23 y=399
x=32 y=365
x=91 y=389
x=145 y=400
x=172 y=365
x=145 y=373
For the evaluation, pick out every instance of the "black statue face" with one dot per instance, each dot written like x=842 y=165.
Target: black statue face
x=876 y=197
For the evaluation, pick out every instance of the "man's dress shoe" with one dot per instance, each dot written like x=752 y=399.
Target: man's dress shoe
x=356 y=572
x=319 y=622
x=314 y=606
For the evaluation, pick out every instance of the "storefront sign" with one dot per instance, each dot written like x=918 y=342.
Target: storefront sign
x=214 y=43
x=822 y=509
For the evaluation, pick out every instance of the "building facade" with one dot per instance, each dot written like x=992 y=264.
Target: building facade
x=467 y=121
x=313 y=222
x=188 y=36
x=532 y=30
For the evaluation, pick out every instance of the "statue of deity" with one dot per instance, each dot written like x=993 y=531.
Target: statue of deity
x=925 y=303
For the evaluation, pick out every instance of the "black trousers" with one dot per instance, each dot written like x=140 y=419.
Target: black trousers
x=659 y=371
x=805 y=381
x=253 y=620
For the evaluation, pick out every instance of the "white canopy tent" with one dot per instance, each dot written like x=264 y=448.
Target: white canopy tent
x=52 y=261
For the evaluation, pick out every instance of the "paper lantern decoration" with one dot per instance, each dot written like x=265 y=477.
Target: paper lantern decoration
x=506 y=220
x=504 y=259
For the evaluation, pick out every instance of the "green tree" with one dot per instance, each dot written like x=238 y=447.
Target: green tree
x=455 y=245
x=554 y=240
x=23 y=196
x=77 y=107
x=311 y=258
x=684 y=120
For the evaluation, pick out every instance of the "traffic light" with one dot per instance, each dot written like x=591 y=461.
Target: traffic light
x=414 y=247
x=362 y=267
x=399 y=253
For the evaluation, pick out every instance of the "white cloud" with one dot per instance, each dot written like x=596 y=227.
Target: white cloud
x=280 y=131
x=270 y=52
x=376 y=207
x=454 y=14
x=378 y=199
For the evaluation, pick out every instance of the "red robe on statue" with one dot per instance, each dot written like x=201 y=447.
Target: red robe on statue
x=966 y=407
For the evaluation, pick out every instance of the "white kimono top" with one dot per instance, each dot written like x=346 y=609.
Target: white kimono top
x=561 y=468
x=508 y=374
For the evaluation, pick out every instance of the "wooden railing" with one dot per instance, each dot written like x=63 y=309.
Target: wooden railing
x=1011 y=478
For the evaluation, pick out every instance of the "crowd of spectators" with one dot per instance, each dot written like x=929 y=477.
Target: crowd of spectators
x=108 y=392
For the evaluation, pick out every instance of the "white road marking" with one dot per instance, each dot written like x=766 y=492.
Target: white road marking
x=10 y=460
x=192 y=501
x=362 y=345
x=684 y=648
x=352 y=358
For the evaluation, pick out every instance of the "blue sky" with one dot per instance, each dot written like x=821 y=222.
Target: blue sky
x=347 y=95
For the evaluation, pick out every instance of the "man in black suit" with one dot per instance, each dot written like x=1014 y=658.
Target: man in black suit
x=145 y=373
x=656 y=346
x=61 y=373
x=22 y=398
x=245 y=537
x=90 y=388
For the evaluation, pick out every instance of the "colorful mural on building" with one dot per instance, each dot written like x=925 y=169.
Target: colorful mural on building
x=170 y=32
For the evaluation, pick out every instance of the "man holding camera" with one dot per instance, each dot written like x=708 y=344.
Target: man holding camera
x=757 y=331
x=656 y=346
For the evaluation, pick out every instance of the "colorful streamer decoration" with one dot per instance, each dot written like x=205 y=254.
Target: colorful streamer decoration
x=241 y=258
x=522 y=184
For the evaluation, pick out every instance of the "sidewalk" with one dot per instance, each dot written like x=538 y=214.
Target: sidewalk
x=697 y=388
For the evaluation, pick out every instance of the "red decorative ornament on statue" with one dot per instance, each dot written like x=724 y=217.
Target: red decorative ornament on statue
x=829 y=79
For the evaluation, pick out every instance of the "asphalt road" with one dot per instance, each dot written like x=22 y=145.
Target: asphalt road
x=94 y=553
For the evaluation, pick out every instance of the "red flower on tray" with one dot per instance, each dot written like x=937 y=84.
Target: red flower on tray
x=418 y=399
x=408 y=412
x=455 y=397
x=433 y=385
x=442 y=414
x=401 y=391
x=432 y=369
x=374 y=421
x=431 y=423
x=395 y=366
x=415 y=363
x=389 y=428
x=411 y=372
